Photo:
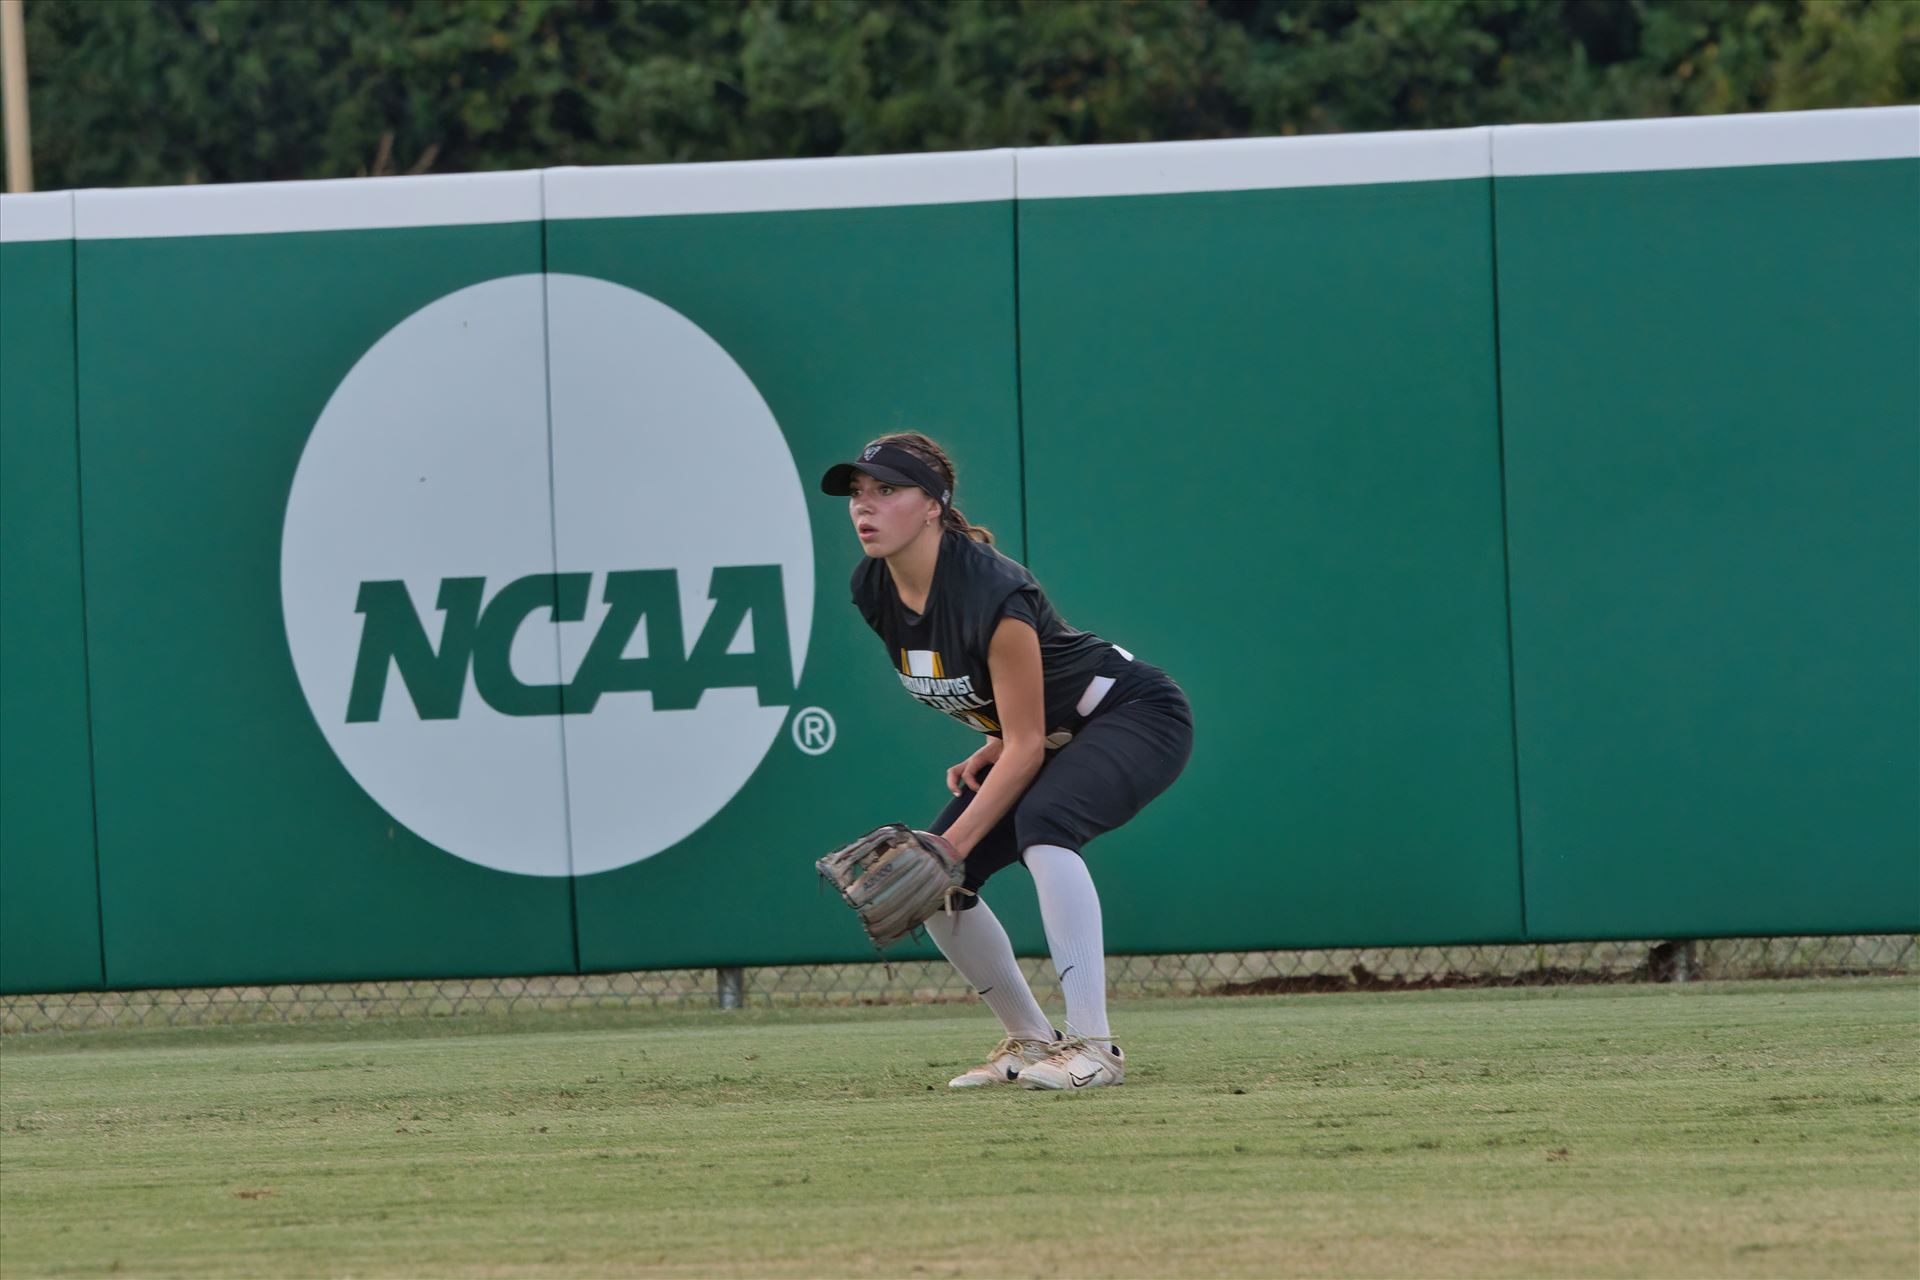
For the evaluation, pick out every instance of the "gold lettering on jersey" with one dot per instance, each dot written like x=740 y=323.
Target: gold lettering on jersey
x=924 y=675
x=953 y=696
x=919 y=686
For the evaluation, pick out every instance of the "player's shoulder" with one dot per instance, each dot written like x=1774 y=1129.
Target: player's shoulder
x=869 y=576
x=988 y=579
x=867 y=585
x=985 y=564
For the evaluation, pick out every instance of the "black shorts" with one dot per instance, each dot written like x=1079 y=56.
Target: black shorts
x=1131 y=749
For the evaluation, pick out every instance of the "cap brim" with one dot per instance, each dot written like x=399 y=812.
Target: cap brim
x=839 y=477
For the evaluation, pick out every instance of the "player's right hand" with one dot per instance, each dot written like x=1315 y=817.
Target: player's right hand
x=968 y=771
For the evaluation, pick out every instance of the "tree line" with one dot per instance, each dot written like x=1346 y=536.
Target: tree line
x=154 y=92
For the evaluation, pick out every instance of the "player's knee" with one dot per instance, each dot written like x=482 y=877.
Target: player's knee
x=1039 y=830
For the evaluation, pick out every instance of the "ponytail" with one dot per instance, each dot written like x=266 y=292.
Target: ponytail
x=953 y=519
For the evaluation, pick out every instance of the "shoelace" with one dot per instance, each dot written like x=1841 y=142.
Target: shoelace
x=1011 y=1045
x=1066 y=1050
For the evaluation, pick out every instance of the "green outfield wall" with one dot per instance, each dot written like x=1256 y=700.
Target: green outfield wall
x=49 y=889
x=857 y=296
x=1710 y=371
x=216 y=328
x=425 y=577
x=1263 y=450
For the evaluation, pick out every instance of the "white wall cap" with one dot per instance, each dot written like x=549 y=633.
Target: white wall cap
x=1253 y=164
x=1239 y=164
x=754 y=186
x=1708 y=142
x=339 y=204
x=42 y=215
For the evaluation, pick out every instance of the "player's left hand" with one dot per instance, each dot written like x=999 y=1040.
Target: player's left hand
x=968 y=771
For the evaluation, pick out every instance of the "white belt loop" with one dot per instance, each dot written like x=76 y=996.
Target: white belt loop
x=1090 y=699
x=1096 y=690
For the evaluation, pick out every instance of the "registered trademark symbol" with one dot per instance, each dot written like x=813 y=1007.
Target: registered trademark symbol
x=813 y=731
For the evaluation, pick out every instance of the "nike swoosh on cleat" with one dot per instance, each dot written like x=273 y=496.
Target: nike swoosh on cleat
x=1080 y=1082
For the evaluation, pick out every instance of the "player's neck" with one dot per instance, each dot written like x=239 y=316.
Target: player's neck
x=912 y=568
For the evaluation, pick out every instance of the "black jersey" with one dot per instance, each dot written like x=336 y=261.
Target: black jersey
x=941 y=655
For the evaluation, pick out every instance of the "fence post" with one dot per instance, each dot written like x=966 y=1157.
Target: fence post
x=1687 y=964
x=1672 y=961
x=732 y=986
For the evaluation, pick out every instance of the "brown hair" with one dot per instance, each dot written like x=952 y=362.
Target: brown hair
x=923 y=448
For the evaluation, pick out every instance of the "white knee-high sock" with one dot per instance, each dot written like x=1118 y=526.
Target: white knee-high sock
x=977 y=944
x=1070 y=909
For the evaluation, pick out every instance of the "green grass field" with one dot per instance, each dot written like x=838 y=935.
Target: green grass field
x=1751 y=1129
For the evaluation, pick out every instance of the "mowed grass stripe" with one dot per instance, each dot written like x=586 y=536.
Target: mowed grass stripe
x=1716 y=1129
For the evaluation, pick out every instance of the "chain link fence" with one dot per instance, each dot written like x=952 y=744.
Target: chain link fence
x=932 y=982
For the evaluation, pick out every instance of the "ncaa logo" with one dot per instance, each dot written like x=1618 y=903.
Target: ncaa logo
x=547 y=575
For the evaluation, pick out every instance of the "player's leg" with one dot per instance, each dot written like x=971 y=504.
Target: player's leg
x=1070 y=910
x=975 y=942
x=1076 y=939
x=1115 y=765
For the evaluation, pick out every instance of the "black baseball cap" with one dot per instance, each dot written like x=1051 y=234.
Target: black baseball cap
x=891 y=463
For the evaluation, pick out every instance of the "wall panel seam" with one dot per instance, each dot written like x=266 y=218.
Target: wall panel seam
x=553 y=543
x=86 y=631
x=1019 y=372
x=1506 y=538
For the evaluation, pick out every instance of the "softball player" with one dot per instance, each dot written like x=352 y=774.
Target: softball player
x=1080 y=735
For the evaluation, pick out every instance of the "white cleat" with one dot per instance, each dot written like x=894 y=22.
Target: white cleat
x=1005 y=1063
x=1078 y=1063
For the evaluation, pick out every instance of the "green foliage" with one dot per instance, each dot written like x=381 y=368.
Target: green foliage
x=165 y=91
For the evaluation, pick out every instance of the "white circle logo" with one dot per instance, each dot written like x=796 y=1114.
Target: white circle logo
x=547 y=575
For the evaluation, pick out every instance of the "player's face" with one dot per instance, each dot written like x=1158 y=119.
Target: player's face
x=886 y=517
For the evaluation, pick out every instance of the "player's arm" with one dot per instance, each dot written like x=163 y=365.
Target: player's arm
x=1019 y=694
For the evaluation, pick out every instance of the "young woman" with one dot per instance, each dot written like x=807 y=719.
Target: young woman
x=1080 y=735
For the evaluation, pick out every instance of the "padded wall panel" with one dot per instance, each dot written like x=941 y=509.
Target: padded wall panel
x=1713 y=462
x=1263 y=452
x=775 y=317
x=49 y=894
x=219 y=328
